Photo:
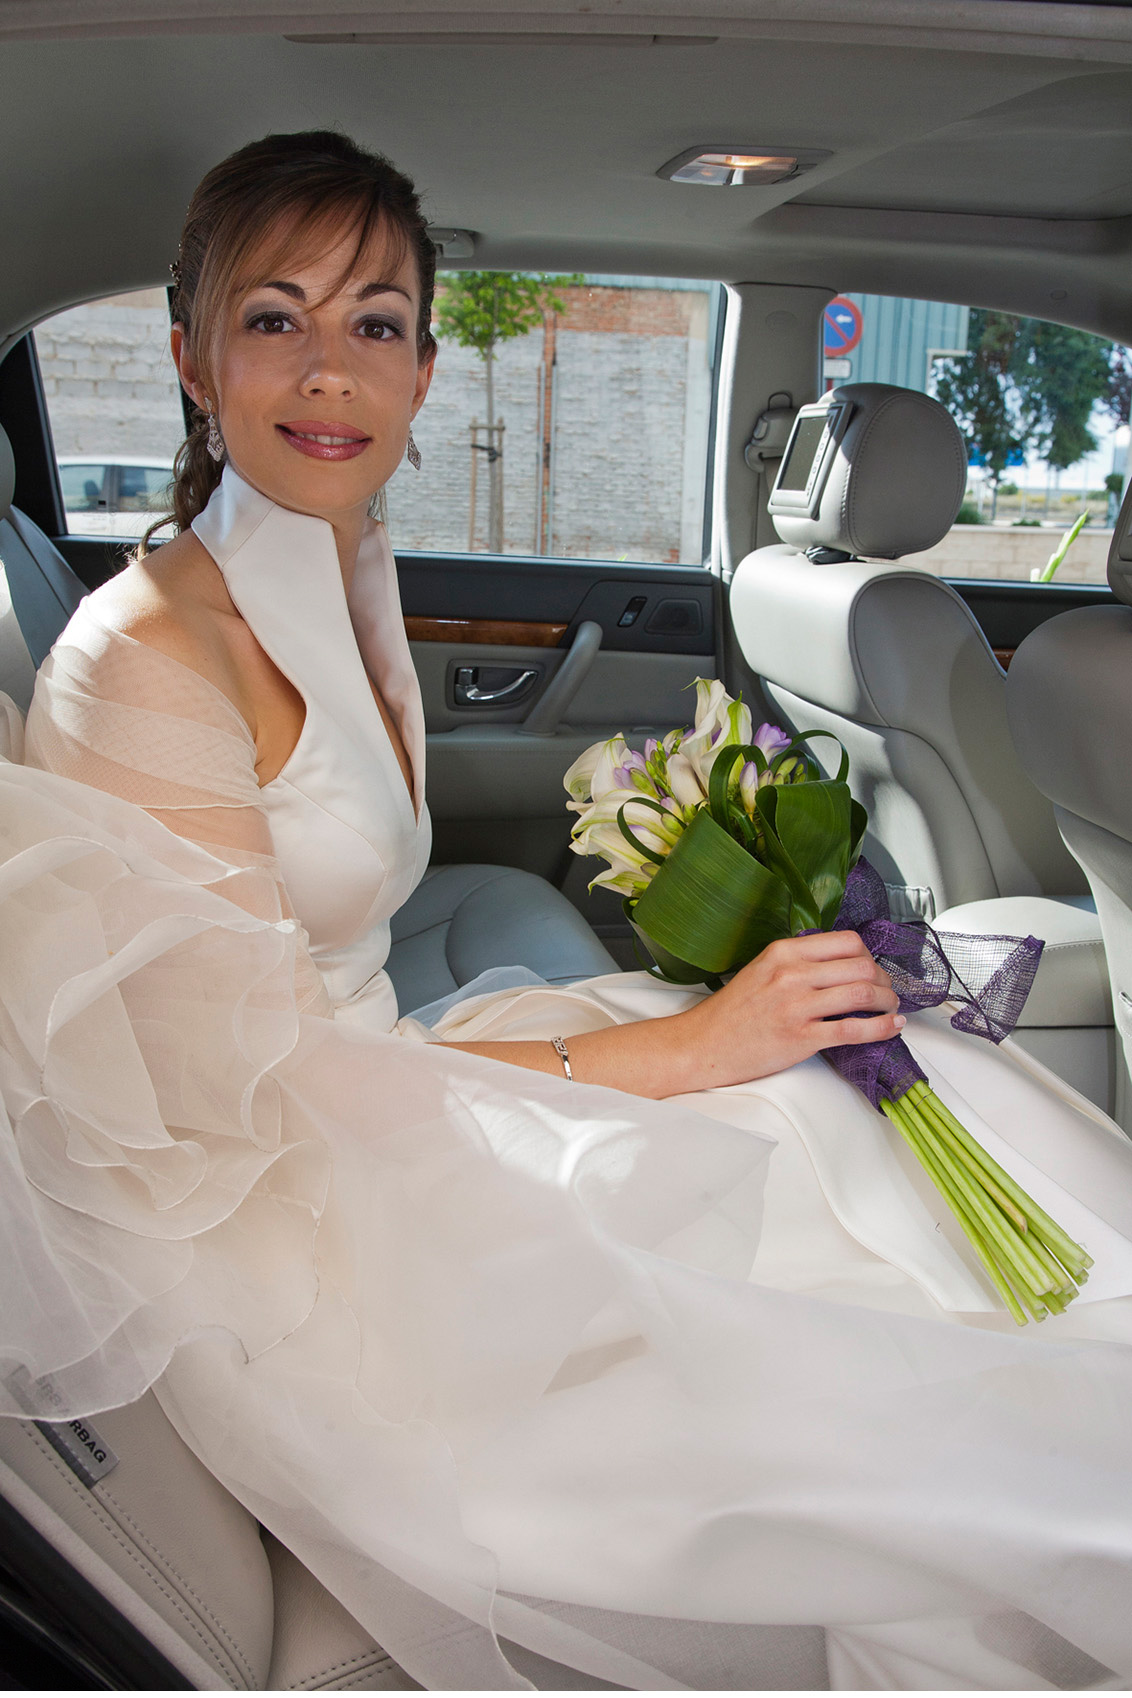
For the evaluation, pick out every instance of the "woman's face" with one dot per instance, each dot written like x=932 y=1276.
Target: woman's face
x=314 y=395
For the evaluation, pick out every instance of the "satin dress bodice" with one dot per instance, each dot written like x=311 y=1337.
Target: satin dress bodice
x=350 y=840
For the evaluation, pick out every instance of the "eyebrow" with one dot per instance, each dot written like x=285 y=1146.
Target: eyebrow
x=364 y=293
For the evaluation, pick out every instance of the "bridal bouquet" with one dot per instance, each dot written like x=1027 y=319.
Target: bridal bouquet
x=722 y=839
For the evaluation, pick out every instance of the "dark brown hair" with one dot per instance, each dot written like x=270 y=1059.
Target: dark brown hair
x=287 y=197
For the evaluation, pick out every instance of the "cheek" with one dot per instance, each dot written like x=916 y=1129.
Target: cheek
x=249 y=377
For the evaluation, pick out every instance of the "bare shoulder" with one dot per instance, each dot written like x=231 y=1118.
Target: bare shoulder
x=175 y=601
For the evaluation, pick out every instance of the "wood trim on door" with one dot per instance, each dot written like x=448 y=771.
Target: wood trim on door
x=506 y=633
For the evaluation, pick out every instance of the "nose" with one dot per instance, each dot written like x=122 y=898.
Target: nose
x=328 y=372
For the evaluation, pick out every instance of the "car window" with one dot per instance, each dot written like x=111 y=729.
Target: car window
x=600 y=417
x=144 y=489
x=114 y=403
x=1044 y=411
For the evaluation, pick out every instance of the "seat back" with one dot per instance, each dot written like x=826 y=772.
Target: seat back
x=38 y=590
x=1069 y=696
x=889 y=659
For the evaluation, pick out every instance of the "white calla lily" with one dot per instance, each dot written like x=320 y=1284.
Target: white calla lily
x=684 y=782
x=606 y=779
x=720 y=722
x=579 y=778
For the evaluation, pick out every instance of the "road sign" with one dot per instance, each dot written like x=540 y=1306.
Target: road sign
x=843 y=326
x=838 y=368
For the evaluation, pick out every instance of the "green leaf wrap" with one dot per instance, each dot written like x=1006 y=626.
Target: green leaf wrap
x=808 y=834
x=712 y=904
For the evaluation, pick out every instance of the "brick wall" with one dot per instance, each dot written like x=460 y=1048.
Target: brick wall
x=109 y=378
x=1008 y=551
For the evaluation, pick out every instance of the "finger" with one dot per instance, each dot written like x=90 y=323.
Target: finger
x=821 y=946
x=840 y=1001
x=854 y=1030
x=848 y=970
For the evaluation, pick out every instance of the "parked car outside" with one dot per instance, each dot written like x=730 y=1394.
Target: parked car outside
x=103 y=497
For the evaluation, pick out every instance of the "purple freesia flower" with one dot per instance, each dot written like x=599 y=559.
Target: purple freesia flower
x=771 y=739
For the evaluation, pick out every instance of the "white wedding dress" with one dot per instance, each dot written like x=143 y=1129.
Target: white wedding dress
x=700 y=1393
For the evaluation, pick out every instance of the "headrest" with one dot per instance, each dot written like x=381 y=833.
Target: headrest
x=7 y=473
x=870 y=470
x=1120 y=551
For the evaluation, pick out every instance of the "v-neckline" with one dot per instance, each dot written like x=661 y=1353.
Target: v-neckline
x=310 y=596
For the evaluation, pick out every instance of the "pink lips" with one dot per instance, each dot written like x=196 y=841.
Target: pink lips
x=323 y=439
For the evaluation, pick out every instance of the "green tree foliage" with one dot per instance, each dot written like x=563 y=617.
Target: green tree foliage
x=1026 y=386
x=1119 y=398
x=480 y=309
x=1061 y=374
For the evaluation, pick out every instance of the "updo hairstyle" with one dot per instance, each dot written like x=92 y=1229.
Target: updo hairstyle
x=268 y=209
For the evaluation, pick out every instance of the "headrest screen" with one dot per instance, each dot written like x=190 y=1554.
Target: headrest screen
x=870 y=470
x=802 y=450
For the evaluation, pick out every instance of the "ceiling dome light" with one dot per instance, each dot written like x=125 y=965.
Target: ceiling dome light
x=722 y=167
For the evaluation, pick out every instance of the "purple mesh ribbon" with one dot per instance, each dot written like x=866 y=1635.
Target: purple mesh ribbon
x=990 y=977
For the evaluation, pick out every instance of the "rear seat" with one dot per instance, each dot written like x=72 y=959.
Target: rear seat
x=171 y=1554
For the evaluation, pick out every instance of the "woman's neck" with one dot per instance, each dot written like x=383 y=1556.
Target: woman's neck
x=347 y=540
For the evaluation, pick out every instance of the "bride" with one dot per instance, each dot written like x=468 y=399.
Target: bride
x=499 y=1348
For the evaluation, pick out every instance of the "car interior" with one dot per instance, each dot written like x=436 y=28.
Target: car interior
x=969 y=151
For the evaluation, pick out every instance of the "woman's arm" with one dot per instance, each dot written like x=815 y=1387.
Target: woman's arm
x=791 y=1002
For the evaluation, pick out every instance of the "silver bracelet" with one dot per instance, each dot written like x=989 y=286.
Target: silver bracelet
x=563 y=1056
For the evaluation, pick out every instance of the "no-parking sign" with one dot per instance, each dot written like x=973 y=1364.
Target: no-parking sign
x=843 y=326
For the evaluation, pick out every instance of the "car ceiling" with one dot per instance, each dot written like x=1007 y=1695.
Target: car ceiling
x=979 y=150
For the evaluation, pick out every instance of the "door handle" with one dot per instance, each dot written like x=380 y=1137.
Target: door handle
x=467 y=691
x=544 y=717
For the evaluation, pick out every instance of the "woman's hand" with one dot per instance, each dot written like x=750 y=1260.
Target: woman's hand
x=801 y=995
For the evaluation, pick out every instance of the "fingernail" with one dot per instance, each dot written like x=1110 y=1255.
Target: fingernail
x=899 y=1022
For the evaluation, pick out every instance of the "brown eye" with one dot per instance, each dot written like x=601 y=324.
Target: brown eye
x=271 y=323
x=381 y=329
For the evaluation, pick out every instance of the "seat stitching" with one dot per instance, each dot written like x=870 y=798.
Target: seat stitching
x=160 y=1556
x=364 y=1674
x=364 y=1663
x=86 y=1496
x=355 y=1661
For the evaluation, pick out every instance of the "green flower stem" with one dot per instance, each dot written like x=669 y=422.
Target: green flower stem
x=1063 y=1247
x=896 y=1115
x=926 y=1105
x=1010 y=1245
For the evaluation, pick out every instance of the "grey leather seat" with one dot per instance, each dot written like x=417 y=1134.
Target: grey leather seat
x=38 y=590
x=173 y=1559
x=465 y=918
x=1069 y=696
x=890 y=660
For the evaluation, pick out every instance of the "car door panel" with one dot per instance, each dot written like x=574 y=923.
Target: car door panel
x=495 y=790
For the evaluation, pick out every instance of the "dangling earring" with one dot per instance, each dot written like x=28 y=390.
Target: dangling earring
x=215 y=443
x=413 y=453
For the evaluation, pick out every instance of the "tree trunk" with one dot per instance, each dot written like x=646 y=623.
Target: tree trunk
x=494 y=455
